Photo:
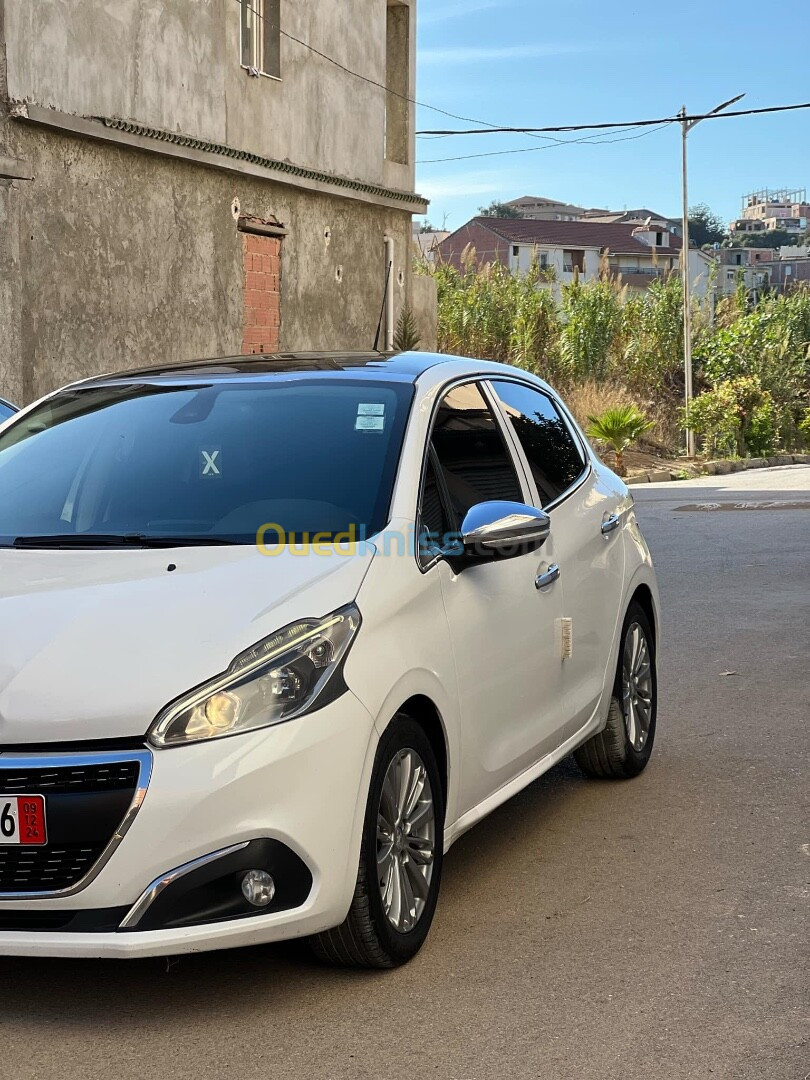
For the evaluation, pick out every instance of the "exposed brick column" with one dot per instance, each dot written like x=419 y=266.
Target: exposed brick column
x=262 y=268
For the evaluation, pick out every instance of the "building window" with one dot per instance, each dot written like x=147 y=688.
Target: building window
x=261 y=37
x=543 y=260
x=659 y=239
x=574 y=260
x=516 y=251
x=398 y=70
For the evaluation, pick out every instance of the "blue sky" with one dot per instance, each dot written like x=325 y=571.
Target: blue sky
x=532 y=62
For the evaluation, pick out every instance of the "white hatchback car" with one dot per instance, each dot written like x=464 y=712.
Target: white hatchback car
x=269 y=621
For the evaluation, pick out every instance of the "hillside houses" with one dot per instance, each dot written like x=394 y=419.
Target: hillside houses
x=637 y=254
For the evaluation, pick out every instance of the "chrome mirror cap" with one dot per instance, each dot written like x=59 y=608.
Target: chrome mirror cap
x=503 y=528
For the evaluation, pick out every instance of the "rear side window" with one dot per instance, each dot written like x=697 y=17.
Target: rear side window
x=553 y=455
x=475 y=463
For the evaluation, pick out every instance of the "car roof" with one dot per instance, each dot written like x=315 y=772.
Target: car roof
x=401 y=367
x=410 y=368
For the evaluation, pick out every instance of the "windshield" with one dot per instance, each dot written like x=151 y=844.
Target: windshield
x=212 y=463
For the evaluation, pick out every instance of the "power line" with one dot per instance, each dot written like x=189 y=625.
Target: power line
x=625 y=124
x=547 y=138
x=587 y=141
x=486 y=128
x=366 y=78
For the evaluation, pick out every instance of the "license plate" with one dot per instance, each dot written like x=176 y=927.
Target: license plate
x=22 y=820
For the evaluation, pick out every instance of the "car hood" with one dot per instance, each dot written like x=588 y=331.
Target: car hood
x=94 y=643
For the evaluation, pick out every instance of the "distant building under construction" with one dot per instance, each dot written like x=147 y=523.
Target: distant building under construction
x=774 y=209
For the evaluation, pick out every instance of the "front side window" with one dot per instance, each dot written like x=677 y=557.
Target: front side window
x=475 y=464
x=261 y=36
x=553 y=455
x=210 y=463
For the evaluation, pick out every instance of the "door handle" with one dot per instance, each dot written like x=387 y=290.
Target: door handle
x=548 y=577
x=610 y=523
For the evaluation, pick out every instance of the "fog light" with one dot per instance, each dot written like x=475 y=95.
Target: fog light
x=258 y=888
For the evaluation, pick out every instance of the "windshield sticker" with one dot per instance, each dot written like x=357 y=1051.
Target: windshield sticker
x=370 y=410
x=211 y=462
x=370 y=423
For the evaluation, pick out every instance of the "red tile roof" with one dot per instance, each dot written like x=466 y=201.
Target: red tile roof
x=618 y=238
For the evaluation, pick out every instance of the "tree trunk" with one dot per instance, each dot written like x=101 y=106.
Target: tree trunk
x=620 y=469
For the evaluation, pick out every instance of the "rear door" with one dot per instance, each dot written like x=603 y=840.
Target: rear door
x=502 y=627
x=586 y=518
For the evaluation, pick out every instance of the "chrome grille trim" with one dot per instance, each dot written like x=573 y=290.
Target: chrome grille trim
x=11 y=761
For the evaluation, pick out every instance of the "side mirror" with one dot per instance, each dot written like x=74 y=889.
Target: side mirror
x=503 y=529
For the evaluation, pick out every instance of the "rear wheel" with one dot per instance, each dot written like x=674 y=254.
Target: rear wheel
x=623 y=749
x=400 y=860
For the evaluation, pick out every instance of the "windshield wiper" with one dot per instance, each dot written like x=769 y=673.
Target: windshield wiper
x=103 y=540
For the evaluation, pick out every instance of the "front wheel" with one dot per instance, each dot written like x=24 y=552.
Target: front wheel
x=623 y=748
x=400 y=860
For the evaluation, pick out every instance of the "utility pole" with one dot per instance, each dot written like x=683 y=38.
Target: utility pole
x=686 y=127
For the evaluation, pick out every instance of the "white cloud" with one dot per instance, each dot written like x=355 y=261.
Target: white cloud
x=475 y=54
x=441 y=12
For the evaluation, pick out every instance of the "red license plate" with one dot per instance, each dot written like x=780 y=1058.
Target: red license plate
x=22 y=820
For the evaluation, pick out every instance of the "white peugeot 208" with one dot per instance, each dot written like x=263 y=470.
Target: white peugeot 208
x=275 y=632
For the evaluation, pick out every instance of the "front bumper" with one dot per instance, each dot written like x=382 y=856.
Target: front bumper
x=303 y=784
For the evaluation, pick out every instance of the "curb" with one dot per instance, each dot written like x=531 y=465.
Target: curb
x=716 y=468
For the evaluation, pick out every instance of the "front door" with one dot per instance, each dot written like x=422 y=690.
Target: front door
x=502 y=627
x=586 y=507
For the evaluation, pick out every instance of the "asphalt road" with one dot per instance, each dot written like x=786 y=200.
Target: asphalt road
x=656 y=928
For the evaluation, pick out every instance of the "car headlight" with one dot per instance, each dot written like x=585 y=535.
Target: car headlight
x=277 y=679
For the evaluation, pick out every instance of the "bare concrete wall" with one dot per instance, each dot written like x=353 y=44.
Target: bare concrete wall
x=10 y=283
x=175 y=64
x=424 y=304
x=128 y=258
x=11 y=382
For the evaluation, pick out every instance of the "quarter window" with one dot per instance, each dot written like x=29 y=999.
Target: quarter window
x=552 y=453
x=434 y=526
x=475 y=463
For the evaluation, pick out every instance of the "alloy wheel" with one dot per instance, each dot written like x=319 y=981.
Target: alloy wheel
x=637 y=686
x=406 y=840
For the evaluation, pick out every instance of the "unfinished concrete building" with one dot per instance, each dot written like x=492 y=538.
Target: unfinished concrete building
x=192 y=177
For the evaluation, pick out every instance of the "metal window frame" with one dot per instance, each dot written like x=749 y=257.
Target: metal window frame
x=519 y=452
x=494 y=407
x=259 y=30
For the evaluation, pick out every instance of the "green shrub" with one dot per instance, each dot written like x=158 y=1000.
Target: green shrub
x=591 y=318
x=599 y=333
x=770 y=343
x=736 y=417
x=496 y=315
x=652 y=338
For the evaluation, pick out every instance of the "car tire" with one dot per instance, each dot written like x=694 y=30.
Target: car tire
x=622 y=750
x=380 y=930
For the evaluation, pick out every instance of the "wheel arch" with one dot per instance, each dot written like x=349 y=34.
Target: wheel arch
x=424 y=711
x=644 y=598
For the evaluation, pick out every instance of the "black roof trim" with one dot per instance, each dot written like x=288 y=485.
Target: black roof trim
x=408 y=365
